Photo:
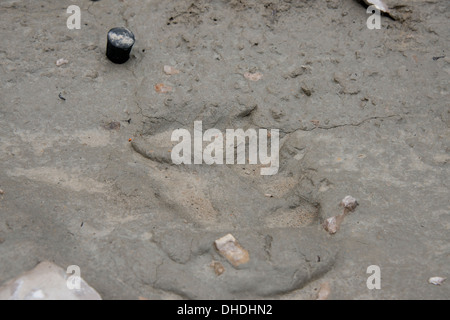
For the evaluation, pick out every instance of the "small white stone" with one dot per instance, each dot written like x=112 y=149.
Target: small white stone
x=349 y=203
x=60 y=62
x=253 y=76
x=437 y=281
x=170 y=70
x=331 y=225
x=324 y=291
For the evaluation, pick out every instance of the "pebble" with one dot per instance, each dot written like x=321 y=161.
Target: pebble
x=437 y=281
x=170 y=70
x=331 y=225
x=162 y=88
x=218 y=267
x=232 y=250
x=296 y=72
x=307 y=91
x=60 y=62
x=349 y=203
x=253 y=76
x=324 y=291
x=91 y=74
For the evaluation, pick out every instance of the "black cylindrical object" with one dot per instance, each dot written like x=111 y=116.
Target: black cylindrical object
x=120 y=42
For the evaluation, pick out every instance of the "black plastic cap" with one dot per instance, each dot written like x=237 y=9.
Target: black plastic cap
x=120 y=42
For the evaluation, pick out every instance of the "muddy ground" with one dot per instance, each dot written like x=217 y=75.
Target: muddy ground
x=360 y=112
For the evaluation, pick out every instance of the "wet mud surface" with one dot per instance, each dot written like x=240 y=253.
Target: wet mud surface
x=85 y=147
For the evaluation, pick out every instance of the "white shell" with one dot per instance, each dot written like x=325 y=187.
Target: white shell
x=436 y=280
x=378 y=4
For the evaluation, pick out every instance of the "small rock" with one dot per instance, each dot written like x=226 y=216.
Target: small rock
x=2 y=192
x=162 y=88
x=296 y=72
x=437 y=281
x=349 y=203
x=170 y=70
x=331 y=225
x=60 y=62
x=231 y=250
x=218 y=267
x=307 y=91
x=253 y=76
x=91 y=74
x=324 y=291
